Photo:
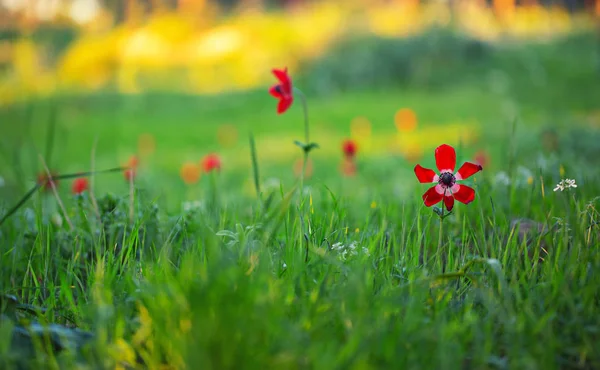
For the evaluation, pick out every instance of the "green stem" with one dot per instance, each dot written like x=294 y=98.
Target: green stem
x=441 y=236
x=306 y=136
x=255 y=172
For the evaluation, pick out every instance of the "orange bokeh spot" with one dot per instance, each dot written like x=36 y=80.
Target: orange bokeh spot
x=405 y=119
x=133 y=162
x=190 y=173
x=146 y=144
x=227 y=135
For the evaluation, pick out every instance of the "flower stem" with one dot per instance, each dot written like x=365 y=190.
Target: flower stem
x=440 y=238
x=306 y=136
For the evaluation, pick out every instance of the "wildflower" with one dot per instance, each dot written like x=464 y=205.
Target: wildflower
x=283 y=90
x=565 y=185
x=190 y=172
x=190 y=206
x=80 y=185
x=211 y=162
x=447 y=189
x=129 y=174
x=349 y=148
x=47 y=182
x=502 y=178
x=346 y=251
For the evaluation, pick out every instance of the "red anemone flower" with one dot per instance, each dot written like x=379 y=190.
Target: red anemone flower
x=283 y=90
x=349 y=148
x=80 y=185
x=211 y=162
x=47 y=182
x=129 y=174
x=447 y=189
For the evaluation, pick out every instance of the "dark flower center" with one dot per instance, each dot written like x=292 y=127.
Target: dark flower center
x=447 y=179
x=279 y=89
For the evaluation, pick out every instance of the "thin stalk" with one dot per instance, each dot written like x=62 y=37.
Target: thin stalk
x=55 y=192
x=306 y=136
x=255 y=172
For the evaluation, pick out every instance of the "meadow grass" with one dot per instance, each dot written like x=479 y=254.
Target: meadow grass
x=348 y=273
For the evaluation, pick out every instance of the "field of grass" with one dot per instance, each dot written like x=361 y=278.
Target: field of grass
x=352 y=272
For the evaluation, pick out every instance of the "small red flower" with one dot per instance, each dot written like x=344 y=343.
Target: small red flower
x=283 y=90
x=47 y=182
x=80 y=185
x=211 y=162
x=129 y=174
x=447 y=189
x=349 y=147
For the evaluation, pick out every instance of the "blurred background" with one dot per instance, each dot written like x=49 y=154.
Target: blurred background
x=170 y=81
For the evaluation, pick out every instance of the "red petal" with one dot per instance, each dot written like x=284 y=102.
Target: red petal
x=283 y=105
x=424 y=174
x=432 y=197
x=284 y=78
x=449 y=202
x=275 y=92
x=464 y=194
x=445 y=158
x=467 y=170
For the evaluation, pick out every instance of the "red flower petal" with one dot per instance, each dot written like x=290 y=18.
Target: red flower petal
x=283 y=105
x=424 y=174
x=467 y=170
x=464 y=194
x=284 y=78
x=445 y=158
x=79 y=185
x=449 y=202
x=432 y=197
x=275 y=90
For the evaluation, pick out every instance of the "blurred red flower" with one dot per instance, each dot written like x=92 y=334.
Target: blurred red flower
x=211 y=162
x=282 y=90
x=47 y=182
x=132 y=165
x=129 y=174
x=349 y=147
x=447 y=189
x=80 y=185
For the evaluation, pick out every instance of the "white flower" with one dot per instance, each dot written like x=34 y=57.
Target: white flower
x=565 y=184
x=192 y=205
x=502 y=178
x=345 y=251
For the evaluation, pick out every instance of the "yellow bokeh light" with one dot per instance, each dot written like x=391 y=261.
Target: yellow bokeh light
x=146 y=144
x=227 y=135
x=360 y=127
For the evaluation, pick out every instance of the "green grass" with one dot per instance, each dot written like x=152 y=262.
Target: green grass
x=245 y=283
